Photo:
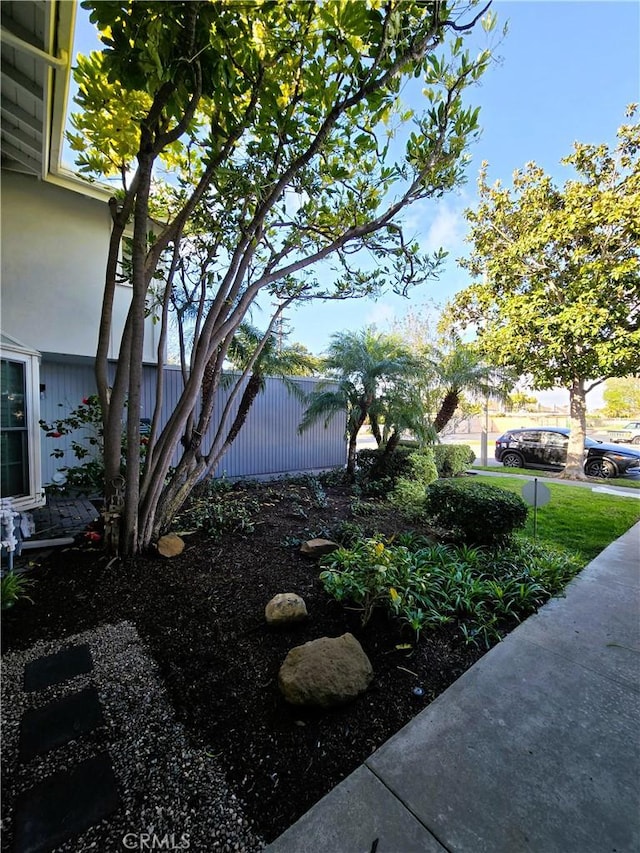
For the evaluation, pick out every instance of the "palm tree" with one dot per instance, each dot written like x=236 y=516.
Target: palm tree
x=364 y=363
x=275 y=359
x=459 y=368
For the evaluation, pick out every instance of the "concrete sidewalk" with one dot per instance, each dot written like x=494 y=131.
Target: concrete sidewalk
x=535 y=748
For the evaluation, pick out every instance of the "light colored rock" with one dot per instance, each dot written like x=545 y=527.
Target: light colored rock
x=318 y=547
x=325 y=672
x=170 y=545
x=285 y=608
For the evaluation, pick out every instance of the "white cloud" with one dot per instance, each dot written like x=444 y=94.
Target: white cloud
x=447 y=230
x=381 y=314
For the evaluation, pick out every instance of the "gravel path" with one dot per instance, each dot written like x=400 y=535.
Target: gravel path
x=167 y=787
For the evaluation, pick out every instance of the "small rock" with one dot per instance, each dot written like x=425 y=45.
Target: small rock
x=285 y=608
x=325 y=672
x=318 y=547
x=170 y=545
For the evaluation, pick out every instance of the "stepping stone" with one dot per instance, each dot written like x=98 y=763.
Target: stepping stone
x=59 y=722
x=57 y=668
x=64 y=805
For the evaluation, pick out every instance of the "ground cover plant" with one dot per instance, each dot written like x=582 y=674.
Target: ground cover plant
x=426 y=610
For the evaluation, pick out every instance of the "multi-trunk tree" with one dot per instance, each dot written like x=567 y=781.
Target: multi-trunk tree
x=558 y=290
x=276 y=122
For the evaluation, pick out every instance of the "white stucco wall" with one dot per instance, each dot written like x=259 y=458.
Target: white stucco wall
x=54 y=250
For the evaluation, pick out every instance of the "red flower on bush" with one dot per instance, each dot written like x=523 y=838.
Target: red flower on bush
x=85 y=401
x=54 y=435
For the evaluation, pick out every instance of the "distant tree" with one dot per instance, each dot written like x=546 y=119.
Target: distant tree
x=622 y=397
x=558 y=296
x=518 y=400
x=365 y=366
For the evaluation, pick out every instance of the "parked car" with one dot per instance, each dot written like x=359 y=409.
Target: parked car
x=628 y=434
x=546 y=447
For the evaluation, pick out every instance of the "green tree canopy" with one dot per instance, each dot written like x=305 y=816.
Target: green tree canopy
x=622 y=397
x=275 y=120
x=558 y=270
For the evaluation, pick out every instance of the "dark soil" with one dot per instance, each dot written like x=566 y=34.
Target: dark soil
x=202 y=617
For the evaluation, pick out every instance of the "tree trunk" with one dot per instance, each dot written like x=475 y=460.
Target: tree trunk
x=375 y=429
x=394 y=441
x=248 y=396
x=447 y=409
x=574 y=469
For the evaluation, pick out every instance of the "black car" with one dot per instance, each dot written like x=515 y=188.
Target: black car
x=546 y=447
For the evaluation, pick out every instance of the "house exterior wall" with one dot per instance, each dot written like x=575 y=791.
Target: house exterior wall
x=54 y=251
x=267 y=445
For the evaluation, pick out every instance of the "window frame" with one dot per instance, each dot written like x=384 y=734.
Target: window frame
x=13 y=351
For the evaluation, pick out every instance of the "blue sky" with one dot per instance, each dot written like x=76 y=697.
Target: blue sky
x=566 y=72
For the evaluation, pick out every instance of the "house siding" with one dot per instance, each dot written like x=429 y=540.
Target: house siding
x=267 y=445
x=54 y=253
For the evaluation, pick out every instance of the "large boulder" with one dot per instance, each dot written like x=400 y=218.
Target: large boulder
x=285 y=608
x=325 y=672
x=318 y=547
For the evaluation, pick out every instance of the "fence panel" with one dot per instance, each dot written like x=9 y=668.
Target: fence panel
x=268 y=444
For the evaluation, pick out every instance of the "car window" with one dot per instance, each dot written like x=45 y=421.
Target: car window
x=555 y=439
x=529 y=437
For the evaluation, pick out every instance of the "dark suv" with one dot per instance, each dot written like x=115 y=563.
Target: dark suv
x=546 y=447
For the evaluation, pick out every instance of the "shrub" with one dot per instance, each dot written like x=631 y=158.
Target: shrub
x=425 y=587
x=453 y=459
x=214 y=508
x=409 y=493
x=475 y=512
x=378 y=471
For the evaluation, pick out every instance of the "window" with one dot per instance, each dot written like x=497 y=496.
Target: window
x=20 y=474
x=556 y=439
x=14 y=438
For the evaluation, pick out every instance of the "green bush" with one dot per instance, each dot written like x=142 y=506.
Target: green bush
x=378 y=472
x=453 y=459
x=475 y=512
x=483 y=590
x=409 y=493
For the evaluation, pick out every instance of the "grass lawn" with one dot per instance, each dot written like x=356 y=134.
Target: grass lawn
x=620 y=482
x=576 y=518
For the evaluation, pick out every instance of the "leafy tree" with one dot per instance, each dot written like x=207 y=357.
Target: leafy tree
x=559 y=291
x=519 y=400
x=622 y=397
x=275 y=121
x=365 y=365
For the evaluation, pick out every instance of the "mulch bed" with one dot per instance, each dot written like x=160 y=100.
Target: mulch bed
x=201 y=616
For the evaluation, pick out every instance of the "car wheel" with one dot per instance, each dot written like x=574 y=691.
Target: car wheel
x=512 y=460
x=600 y=468
x=635 y=439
